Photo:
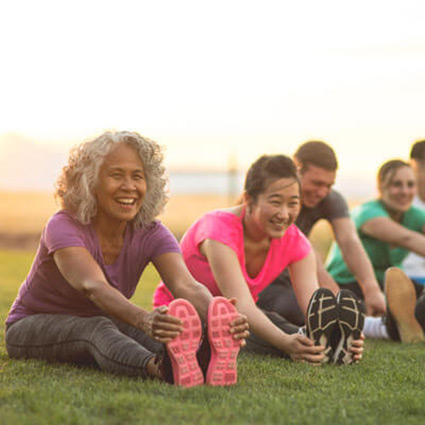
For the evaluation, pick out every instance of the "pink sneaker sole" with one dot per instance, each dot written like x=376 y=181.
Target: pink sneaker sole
x=222 y=369
x=182 y=350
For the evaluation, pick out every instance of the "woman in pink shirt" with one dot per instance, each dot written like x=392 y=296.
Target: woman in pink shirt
x=237 y=252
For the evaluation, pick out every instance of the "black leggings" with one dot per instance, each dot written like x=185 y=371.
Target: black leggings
x=280 y=298
x=420 y=310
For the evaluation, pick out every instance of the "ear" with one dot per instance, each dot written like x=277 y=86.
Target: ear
x=248 y=201
x=380 y=188
x=298 y=164
x=246 y=198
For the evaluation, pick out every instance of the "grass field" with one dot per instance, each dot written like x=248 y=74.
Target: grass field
x=386 y=388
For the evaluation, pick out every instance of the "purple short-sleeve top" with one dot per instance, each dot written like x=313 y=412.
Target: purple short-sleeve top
x=45 y=290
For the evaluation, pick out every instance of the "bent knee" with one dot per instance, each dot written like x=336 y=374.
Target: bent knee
x=395 y=273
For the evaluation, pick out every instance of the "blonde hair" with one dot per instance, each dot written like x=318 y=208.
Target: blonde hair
x=75 y=186
x=387 y=171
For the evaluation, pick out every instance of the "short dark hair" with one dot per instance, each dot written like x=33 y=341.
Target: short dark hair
x=418 y=151
x=266 y=168
x=316 y=153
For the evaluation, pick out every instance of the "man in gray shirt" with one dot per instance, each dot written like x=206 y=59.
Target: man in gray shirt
x=414 y=264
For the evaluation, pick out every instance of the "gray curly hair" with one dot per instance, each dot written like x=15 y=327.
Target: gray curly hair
x=75 y=186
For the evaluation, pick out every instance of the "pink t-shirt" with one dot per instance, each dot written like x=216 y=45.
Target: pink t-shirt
x=226 y=228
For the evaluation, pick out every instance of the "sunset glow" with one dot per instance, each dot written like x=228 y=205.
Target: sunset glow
x=214 y=80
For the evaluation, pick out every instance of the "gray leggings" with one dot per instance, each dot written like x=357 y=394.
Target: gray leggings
x=111 y=345
x=101 y=341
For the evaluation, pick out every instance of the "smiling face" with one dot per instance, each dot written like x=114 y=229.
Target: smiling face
x=121 y=186
x=316 y=184
x=275 y=209
x=398 y=190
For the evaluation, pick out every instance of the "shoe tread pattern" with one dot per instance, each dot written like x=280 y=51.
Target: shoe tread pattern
x=322 y=316
x=351 y=316
x=222 y=369
x=182 y=350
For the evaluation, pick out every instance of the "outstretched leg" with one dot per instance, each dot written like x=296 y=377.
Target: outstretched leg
x=81 y=340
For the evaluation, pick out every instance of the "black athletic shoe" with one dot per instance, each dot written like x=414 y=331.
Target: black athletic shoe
x=351 y=315
x=321 y=320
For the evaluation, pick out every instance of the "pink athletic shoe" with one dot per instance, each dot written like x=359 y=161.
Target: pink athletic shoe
x=222 y=369
x=182 y=350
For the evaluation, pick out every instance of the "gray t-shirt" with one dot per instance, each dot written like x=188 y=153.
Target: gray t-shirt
x=332 y=207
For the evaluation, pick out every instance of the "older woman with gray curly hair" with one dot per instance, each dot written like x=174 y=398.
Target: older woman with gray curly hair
x=74 y=305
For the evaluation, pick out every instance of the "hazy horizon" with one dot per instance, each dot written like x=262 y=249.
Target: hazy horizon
x=27 y=166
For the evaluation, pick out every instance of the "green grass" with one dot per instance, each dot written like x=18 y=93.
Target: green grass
x=386 y=388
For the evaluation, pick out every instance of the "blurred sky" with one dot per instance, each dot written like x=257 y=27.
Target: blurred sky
x=214 y=81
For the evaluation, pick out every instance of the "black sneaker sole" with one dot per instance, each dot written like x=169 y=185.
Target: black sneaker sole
x=351 y=316
x=321 y=320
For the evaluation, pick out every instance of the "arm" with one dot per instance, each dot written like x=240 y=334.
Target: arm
x=324 y=278
x=228 y=275
x=181 y=283
x=84 y=274
x=393 y=233
x=304 y=279
x=359 y=264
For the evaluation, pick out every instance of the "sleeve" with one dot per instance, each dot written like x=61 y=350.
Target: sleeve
x=416 y=219
x=62 y=231
x=160 y=241
x=335 y=206
x=219 y=227
x=366 y=212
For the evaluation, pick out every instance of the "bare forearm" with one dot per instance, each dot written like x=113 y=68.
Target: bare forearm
x=416 y=243
x=326 y=281
x=197 y=294
x=392 y=233
x=261 y=326
x=113 y=303
x=324 y=278
x=360 y=266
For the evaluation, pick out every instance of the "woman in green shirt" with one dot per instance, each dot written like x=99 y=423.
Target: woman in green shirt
x=389 y=228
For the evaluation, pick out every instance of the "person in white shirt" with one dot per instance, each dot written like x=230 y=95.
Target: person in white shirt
x=414 y=265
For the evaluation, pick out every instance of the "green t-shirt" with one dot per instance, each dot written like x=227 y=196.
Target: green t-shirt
x=380 y=253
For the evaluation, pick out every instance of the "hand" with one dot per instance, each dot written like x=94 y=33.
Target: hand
x=161 y=326
x=300 y=349
x=375 y=303
x=239 y=328
x=357 y=348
